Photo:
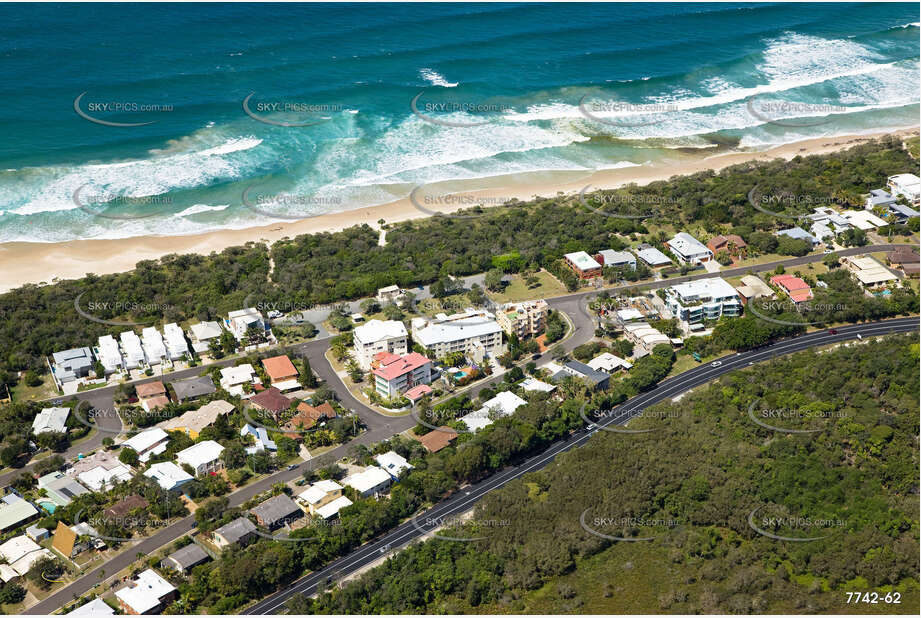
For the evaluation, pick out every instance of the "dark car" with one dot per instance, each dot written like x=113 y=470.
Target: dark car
x=535 y=357
x=832 y=331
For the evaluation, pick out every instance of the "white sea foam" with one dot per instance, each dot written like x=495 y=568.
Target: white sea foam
x=435 y=78
x=200 y=208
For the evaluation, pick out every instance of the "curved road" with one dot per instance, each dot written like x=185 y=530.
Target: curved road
x=467 y=498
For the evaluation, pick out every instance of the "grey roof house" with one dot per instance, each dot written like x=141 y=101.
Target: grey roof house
x=184 y=559
x=598 y=379
x=276 y=512
x=71 y=365
x=239 y=531
x=190 y=388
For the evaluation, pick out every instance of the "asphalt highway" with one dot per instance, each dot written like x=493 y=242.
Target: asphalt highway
x=465 y=499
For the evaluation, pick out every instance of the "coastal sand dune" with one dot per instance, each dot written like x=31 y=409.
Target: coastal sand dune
x=24 y=262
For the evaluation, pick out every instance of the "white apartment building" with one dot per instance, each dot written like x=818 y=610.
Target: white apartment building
x=703 y=299
x=109 y=354
x=402 y=373
x=525 y=319
x=688 y=249
x=379 y=336
x=473 y=333
x=154 y=348
x=132 y=349
x=176 y=345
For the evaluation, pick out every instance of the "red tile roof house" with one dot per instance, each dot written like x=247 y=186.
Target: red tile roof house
x=282 y=372
x=307 y=416
x=271 y=400
x=730 y=243
x=402 y=374
x=797 y=289
x=152 y=395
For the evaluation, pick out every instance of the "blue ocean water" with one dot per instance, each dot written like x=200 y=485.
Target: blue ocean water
x=503 y=83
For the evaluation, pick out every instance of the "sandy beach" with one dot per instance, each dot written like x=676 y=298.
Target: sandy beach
x=23 y=262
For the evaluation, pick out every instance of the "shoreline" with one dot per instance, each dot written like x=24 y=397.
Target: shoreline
x=34 y=262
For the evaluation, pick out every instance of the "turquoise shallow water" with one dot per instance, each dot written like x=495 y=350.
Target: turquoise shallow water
x=500 y=87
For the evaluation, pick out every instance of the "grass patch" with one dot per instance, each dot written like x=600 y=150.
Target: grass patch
x=517 y=290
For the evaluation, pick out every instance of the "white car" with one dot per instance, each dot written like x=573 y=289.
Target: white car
x=716 y=363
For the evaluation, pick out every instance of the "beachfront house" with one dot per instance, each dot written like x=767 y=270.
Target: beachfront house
x=906 y=185
x=242 y=320
x=154 y=347
x=688 y=249
x=379 y=336
x=109 y=354
x=616 y=259
x=176 y=345
x=583 y=264
x=132 y=350
x=71 y=365
x=202 y=334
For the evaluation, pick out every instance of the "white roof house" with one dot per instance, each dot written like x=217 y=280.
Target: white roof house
x=377 y=330
x=233 y=378
x=908 y=185
x=617 y=258
x=503 y=404
x=168 y=475
x=21 y=552
x=533 y=384
x=582 y=260
x=109 y=354
x=653 y=257
x=50 y=420
x=132 y=349
x=202 y=456
x=318 y=491
x=202 y=334
x=369 y=481
x=176 y=345
x=688 y=249
x=96 y=607
x=863 y=219
x=642 y=333
x=145 y=593
x=147 y=443
x=459 y=332
x=608 y=363
x=332 y=509
x=154 y=348
x=393 y=463
x=242 y=319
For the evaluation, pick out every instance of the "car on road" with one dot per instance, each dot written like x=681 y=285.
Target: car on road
x=293 y=467
x=385 y=548
x=859 y=336
x=832 y=331
x=535 y=357
x=716 y=363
